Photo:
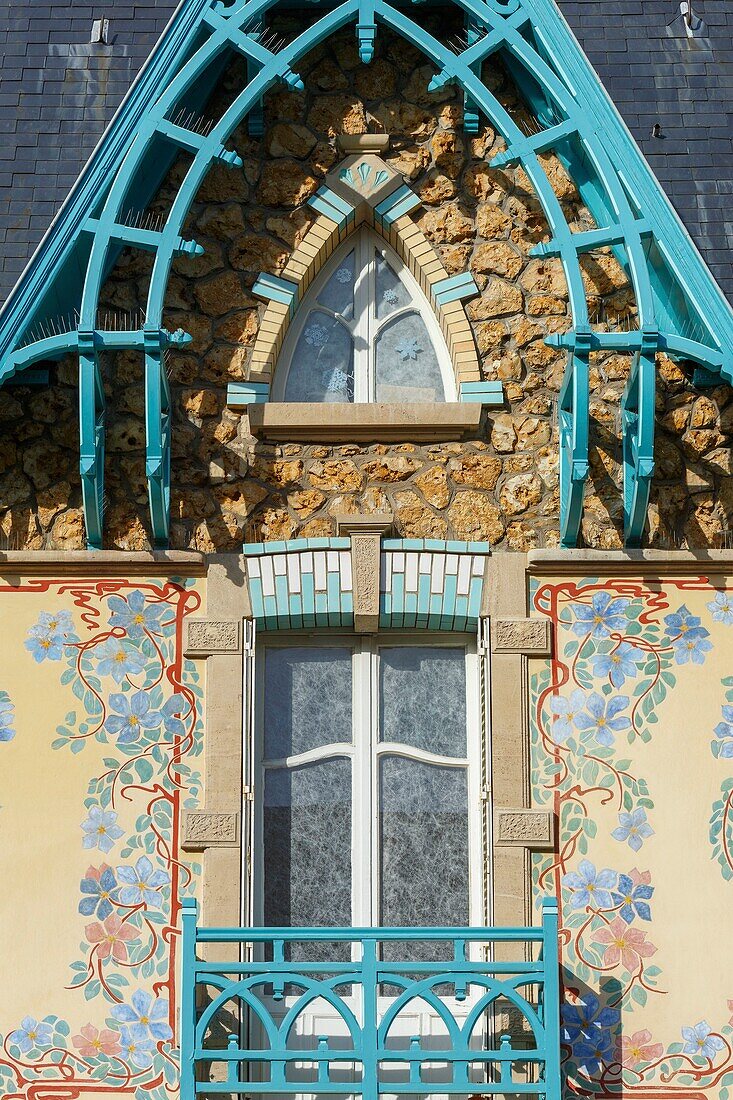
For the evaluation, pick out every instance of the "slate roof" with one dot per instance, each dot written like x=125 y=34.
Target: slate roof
x=58 y=91
x=655 y=73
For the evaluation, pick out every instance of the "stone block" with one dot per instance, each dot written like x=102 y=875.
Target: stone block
x=533 y=829
x=532 y=637
x=207 y=636
x=204 y=829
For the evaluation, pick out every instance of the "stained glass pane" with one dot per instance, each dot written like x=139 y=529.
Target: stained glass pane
x=307 y=840
x=392 y=293
x=322 y=367
x=307 y=699
x=424 y=844
x=338 y=293
x=423 y=698
x=406 y=362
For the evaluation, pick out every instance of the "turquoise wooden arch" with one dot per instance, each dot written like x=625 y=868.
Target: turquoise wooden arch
x=681 y=310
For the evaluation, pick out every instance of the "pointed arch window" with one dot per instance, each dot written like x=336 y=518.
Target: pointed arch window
x=365 y=332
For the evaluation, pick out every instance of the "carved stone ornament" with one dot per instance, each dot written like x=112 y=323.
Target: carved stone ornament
x=207 y=636
x=532 y=637
x=365 y=559
x=204 y=829
x=364 y=177
x=525 y=828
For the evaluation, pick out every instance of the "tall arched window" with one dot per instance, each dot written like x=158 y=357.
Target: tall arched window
x=365 y=332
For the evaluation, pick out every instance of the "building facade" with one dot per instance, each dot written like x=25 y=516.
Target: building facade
x=366 y=576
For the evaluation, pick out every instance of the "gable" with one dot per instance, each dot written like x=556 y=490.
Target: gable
x=680 y=309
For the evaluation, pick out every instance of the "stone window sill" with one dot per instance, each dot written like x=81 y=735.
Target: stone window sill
x=367 y=423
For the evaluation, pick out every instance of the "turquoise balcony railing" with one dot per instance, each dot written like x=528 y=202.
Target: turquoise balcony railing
x=240 y=1020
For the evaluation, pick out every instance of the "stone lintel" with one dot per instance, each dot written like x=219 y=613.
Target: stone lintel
x=363 y=143
x=206 y=829
x=365 y=563
x=532 y=637
x=184 y=563
x=207 y=636
x=525 y=828
x=313 y=422
x=378 y=523
x=648 y=563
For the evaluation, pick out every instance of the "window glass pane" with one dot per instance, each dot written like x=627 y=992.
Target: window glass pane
x=406 y=364
x=322 y=367
x=307 y=699
x=424 y=844
x=307 y=833
x=392 y=293
x=338 y=293
x=422 y=694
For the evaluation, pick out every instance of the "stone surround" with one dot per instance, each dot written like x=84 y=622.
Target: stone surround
x=500 y=487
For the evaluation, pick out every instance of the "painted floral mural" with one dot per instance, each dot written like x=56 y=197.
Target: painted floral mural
x=118 y=655
x=622 y=650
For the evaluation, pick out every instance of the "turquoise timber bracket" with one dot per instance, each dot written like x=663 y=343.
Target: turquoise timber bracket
x=681 y=310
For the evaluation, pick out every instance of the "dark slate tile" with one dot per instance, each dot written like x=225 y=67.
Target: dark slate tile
x=691 y=98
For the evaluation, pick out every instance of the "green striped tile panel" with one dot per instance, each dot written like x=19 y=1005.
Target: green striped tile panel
x=300 y=584
x=433 y=586
x=425 y=584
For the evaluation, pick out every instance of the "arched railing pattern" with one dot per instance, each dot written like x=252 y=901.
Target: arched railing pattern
x=346 y=971
x=680 y=309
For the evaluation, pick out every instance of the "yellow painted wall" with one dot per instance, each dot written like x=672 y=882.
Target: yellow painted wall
x=66 y=747
x=625 y=750
x=100 y=736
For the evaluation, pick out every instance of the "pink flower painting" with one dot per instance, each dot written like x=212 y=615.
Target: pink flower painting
x=625 y=943
x=93 y=1042
x=638 y=1048
x=111 y=937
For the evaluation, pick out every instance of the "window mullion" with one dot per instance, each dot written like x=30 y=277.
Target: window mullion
x=362 y=295
x=376 y=867
x=361 y=805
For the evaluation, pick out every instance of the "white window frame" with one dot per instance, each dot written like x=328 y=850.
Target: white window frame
x=364 y=327
x=364 y=752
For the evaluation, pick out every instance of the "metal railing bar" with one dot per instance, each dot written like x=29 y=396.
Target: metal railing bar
x=350 y=935
x=384 y=970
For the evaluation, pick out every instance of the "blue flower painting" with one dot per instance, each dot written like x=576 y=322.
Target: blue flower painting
x=118 y=659
x=7 y=718
x=133 y=714
x=134 y=615
x=31 y=1034
x=601 y=616
x=144 y=1017
x=141 y=884
x=590 y=1029
x=620 y=664
x=101 y=829
x=47 y=638
x=98 y=889
x=721 y=608
x=602 y=718
x=633 y=828
x=632 y=894
x=700 y=1042
x=588 y=887
x=564 y=713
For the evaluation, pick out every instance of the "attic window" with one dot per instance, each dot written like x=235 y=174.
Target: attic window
x=365 y=333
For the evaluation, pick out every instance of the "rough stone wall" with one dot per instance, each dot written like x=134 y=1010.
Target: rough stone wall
x=502 y=486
